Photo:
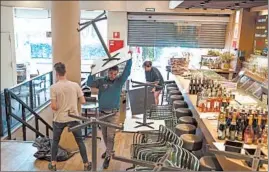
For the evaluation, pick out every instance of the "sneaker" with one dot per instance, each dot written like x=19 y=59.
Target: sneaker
x=103 y=155
x=106 y=162
x=88 y=167
x=52 y=167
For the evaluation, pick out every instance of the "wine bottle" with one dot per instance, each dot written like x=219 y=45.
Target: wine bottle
x=264 y=118
x=258 y=130
x=190 y=86
x=265 y=136
x=232 y=134
x=249 y=132
x=228 y=123
x=240 y=127
x=221 y=128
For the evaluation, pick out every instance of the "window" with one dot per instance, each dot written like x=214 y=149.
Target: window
x=34 y=45
x=91 y=47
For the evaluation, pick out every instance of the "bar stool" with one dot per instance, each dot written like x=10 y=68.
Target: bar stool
x=185 y=129
x=173 y=98
x=171 y=85
x=209 y=163
x=187 y=120
x=171 y=93
x=174 y=92
x=180 y=112
x=168 y=89
x=192 y=142
x=168 y=84
x=179 y=103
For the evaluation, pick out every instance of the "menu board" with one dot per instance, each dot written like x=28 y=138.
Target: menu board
x=261 y=34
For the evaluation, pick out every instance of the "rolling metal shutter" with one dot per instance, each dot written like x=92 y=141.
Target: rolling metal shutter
x=171 y=34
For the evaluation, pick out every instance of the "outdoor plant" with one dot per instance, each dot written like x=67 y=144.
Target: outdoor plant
x=213 y=53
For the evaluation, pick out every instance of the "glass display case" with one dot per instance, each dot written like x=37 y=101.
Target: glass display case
x=252 y=85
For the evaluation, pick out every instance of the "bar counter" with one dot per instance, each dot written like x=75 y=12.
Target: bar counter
x=209 y=130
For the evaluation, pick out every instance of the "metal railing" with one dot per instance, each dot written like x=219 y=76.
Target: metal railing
x=18 y=103
x=10 y=95
x=33 y=93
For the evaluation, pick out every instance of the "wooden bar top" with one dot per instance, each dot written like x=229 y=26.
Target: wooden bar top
x=209 y=130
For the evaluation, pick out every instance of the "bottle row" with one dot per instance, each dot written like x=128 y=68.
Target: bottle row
x=243 y=125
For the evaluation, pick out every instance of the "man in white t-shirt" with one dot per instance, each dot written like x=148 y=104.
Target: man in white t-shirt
x=64 y=96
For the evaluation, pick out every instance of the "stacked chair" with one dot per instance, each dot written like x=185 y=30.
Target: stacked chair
x=152 y=146
x=164 y=112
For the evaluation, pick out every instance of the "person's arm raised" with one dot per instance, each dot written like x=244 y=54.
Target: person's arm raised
x=126 y=72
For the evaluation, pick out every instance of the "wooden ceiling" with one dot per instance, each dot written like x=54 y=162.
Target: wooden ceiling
x=221 y=4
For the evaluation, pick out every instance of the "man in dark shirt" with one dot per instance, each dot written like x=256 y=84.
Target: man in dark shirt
x=153 y=75
x=110 y=88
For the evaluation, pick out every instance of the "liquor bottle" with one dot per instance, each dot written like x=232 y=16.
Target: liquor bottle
x=249 y=133
x=228 y=123
x=221 y=114
x=195 y=86
x=240 y=127
x=255 y=119
x=264 y=118
x=265 y=136
x=221 y=128
x=232 y=134
x=258 y=130
x=190 y=86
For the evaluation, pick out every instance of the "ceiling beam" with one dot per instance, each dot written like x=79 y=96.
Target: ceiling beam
x=174 y=4
x=260 y=8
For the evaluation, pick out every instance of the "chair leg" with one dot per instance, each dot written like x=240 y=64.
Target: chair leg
x=162 y=97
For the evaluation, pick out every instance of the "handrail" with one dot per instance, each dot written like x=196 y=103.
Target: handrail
x=28 y=80
x=27 y=107
x=25 y=123
x=31 y=107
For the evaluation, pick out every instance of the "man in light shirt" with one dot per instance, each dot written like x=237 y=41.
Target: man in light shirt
x=64 y=96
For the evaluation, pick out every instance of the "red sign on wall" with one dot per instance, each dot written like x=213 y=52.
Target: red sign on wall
x=116 y=34
x=115 y=45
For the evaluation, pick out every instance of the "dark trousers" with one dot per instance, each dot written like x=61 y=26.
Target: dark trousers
x=57 y=131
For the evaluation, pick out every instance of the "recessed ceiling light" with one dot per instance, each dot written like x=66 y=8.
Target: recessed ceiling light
x=237 y=5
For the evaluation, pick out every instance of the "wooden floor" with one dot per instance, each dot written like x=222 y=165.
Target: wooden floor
x=18 y=156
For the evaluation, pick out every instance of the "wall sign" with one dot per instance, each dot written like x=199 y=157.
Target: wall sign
x=115 y=45
x=150 y=9
x=116 y=34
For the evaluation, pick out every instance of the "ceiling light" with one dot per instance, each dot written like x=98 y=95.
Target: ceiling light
x=237 y=5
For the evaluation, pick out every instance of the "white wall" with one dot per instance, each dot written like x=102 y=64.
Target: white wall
x=8 y=59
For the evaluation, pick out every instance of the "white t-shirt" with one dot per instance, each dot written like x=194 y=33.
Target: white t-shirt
x=66 y=93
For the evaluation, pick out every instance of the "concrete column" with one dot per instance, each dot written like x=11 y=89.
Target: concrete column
x=65 y=16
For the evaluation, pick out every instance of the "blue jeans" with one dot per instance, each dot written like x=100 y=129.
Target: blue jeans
x=57 y=131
